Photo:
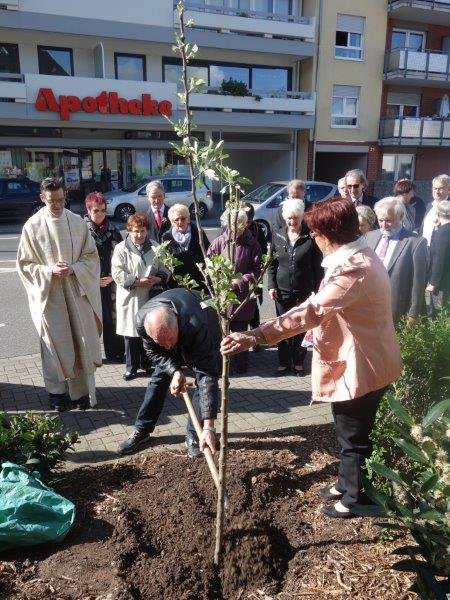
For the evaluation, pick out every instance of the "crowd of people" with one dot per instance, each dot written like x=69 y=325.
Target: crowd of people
x=347 y=269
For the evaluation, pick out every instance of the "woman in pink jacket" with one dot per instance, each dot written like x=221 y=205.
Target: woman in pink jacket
x=356 y=353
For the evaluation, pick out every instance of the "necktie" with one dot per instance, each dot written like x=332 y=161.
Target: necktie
x=383 y=247
x=158 y=218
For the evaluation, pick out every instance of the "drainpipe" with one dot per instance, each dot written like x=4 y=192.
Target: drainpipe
x=316 y=79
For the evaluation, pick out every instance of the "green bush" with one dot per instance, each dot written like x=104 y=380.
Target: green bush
x=35 y=441
x=234 y=87
x=419 y=503
x=425 y=350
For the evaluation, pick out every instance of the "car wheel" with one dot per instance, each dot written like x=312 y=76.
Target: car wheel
x=265 y=228
x=202 y=210
x=123 y=211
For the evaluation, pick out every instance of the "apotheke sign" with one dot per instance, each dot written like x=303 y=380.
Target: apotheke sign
x=105 y=103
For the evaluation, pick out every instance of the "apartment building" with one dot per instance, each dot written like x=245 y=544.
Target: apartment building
x=85 y=87
x=415 y=110
x=347 y=74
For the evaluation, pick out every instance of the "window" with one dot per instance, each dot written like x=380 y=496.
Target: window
x=413 y=40
x=349 y=37
x=345 y=106
x=55 y=61
x=402 y=104
x=131 y=67
x=219 y=73
x=172 y=73
x=397 y=166
x=9 y=58
x=316 y=192
x=270 y=80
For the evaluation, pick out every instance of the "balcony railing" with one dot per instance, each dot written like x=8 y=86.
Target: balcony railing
x=255 y=101
x=413 y=64
x=420 y=131
x=431 y=4
x=250 y=22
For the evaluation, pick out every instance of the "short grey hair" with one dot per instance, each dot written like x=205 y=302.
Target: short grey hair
x=295 y=184
x=242 y=217
x=366 y=213
x=443 y=179
x=443 y=209
x=391 y=202
x=161 y=318
x=341 y=182
x=156 y=184
x=178 y=209
x=293 y=206
x=358 y=174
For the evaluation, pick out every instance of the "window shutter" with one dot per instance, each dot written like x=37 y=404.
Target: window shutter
x=346 y=91
x=350 y=23
x=403 y=98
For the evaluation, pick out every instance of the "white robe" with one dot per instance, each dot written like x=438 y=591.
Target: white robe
x=65 y=311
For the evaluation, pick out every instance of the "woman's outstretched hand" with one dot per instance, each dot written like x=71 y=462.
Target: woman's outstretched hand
x=237 y=342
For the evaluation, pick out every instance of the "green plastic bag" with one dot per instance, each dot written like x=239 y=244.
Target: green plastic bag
x=30 y=512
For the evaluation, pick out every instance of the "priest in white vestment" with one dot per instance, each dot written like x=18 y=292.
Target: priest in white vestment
x=58 y=264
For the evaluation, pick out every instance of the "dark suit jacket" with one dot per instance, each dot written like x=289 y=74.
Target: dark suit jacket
x=440 y=258
x=197 y=347
x=155 y=233
x=368 y=200
x=407 y=270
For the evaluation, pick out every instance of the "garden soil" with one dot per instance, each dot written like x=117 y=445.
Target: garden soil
x=145 y=530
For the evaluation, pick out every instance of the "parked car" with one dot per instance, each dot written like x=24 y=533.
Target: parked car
x=19 y=198
x=123 y=203
x=267 y=198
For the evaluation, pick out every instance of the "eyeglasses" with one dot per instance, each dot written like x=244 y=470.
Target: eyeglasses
x=180 y=219
x=353 y=185
x=98 y=210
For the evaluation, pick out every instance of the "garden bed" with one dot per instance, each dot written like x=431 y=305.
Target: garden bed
x=145 y=530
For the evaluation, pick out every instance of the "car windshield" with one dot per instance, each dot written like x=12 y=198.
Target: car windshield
x=135 y=186
x=264 y=192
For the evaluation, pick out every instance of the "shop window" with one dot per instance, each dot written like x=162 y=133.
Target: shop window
x=131 y=67
x=345 y=106
x=397 y=166
x=402 y=39
x=349 y=37
x=55 y=61
x=9 y=58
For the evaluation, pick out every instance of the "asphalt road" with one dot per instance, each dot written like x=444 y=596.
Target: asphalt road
x=18 y=336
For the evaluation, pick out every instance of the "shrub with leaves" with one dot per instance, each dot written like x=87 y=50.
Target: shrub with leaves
x=420 y=503
x=35 y=441
x=425 y=351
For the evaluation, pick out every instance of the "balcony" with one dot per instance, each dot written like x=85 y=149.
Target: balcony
x=250 y=30
x=410 y=67
x=421 y=131
x=436 y=12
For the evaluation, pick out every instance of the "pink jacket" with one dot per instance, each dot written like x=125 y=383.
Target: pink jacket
x=355 y=347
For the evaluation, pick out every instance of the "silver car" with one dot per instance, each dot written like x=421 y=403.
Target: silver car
x=178 y=190
x=267 y=198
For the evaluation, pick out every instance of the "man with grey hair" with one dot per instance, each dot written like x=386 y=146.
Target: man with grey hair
x=356 y=184
x=405 y=257
x=158 y=211
x=343 y=189
x=177 y=330
x=440 y=191
x=439 y=281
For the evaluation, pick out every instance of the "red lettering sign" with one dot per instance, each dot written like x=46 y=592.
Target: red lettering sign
x=105 y=103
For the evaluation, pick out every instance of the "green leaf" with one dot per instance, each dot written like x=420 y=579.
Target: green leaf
x=400 y=411
x=431 y=515
x=429 y=483
x=386 y=472
x=412 y=451
x=435 y=412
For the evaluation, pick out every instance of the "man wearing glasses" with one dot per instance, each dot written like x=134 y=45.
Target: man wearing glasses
x=356 y=184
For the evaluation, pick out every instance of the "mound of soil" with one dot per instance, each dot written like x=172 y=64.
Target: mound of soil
x=145 y=531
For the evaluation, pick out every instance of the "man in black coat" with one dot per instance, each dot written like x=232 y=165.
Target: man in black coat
x=158 y=211
x=177 y=329
x=356 y=184
x=439 y=281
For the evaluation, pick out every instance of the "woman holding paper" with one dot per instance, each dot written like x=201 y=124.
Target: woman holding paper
x=139 y=276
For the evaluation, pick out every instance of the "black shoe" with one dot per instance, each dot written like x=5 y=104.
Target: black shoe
x=58 y=402
x=326 y=493
x=332 y=513
x=129 y=374
x=299 y=371
x=193 y=448
x=281 y=372
x=82 y=403
x=132 y=443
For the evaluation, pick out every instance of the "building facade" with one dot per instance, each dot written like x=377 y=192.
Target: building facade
x=85 y=89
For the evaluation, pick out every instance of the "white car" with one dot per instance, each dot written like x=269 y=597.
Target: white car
x=123 y=203
x=267 y=198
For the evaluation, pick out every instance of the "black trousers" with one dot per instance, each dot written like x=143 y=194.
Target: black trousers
x=290 y=351
x=135 y=355
x=354 y=421
x=113 y=343
x=239 y=361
